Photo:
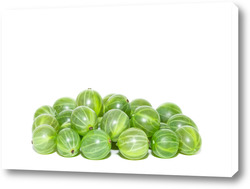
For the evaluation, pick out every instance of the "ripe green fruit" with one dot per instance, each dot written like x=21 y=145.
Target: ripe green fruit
x=68 y=142
x=83 y=119
x=90 y=98
x=180 y=120
x=138 y=102
x=64 y=116
x=190 y=140
x=133 y=144
x=44 y=139
x=167 y=110
x=164 y=126
x=45 y=110
x=147 y=119
x=114 y=122
x=117 y=101
x=64 y=103
x=165 y=143
x=99 y=119
x=103 y=102
x=65 y=125
x=45 y=119
x=96 y=145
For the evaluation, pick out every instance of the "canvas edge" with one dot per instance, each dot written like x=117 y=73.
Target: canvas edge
x=235 y=90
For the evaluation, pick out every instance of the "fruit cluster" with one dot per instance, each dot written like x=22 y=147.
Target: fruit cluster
x=92 y=126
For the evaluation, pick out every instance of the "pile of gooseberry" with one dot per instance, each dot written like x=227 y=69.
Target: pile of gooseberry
x=91 y=126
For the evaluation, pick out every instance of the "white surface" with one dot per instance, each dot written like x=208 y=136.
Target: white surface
x=170 y=54
x=29 y=179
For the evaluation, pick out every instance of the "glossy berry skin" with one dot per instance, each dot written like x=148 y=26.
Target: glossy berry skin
x=165 y=143
x=107 y=97
x=64 y=103
x=114 y=122
x=166 y=110
x=164 y=126
x=180 y=120
x=68 y=142
x=138 y=102
x=46 y=109
x=147 y=119
x=92 y=99
x=65 y=125
x=103 y=102
x=83 y=119
x=64 y=116
x=45 y=119
x=190 y=140
x=99 y=120
x=117 y=101
x=133 y=144
x=44 y=139
x=96 y=145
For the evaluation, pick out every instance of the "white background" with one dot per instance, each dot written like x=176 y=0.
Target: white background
x=173 y=181
x=164 y=53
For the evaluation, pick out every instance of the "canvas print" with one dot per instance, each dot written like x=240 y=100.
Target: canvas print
x=132 y=89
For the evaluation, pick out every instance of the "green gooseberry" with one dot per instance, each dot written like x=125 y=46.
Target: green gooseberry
x=83 y=119
x=64 y=103
x=133 y=144
x=64 y=116
x=65 y=125
x=164 y=126
x=44 y=139
x=46 y=109
x=103 y=102
x=92 y=99
x=190 y=140
x=165 y=143
x=45 y=119
x=147 y=119
x=114 y=122
x=166 y=110
x=138 y=102
x=179 y=120
x=96 y=145
x=68 y=142
x=117 y=101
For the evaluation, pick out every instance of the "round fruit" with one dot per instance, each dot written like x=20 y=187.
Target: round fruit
x=44 y=139
x=103 y=102
x=180 y=120
x=83 y=119
x=68 y=142
x=147 y=119
x=117 y=101
x=99 y=119
x=90 y=98
x=107 y=97
x=138 y=102
x=133 y=143
x=46 y=119
x=64 y=116
x=190 y=140
x=45 y=110
x=164 y=126
x=96 y=145
x=114 y=122
x=64 y=103
x=65 y=125
x=165 y=143
x=167 y=110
